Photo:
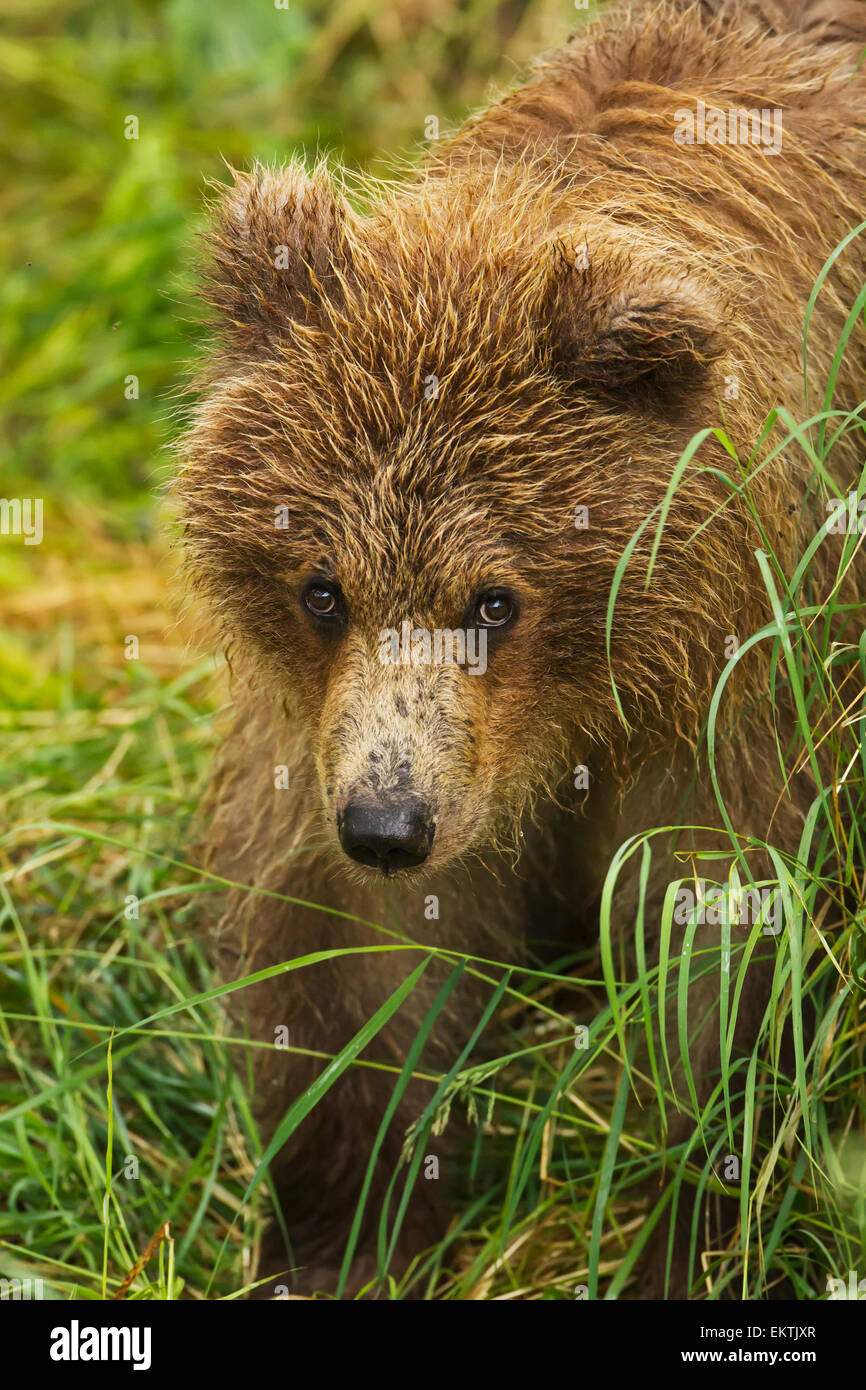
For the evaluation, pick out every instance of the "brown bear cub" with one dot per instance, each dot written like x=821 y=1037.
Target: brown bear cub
x=427 y=434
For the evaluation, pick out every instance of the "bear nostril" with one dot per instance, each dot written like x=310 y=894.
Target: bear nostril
x=387 y=837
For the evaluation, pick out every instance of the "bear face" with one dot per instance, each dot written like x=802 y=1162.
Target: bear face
x=410 y=482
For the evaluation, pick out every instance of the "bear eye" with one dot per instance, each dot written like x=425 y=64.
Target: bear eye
x=322 y=599
x=494 y=608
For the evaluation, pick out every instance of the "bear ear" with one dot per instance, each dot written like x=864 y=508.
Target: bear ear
x=624 y=324
x=277 y=247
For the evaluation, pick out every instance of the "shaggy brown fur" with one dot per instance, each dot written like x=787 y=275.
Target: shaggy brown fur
x=582 y=285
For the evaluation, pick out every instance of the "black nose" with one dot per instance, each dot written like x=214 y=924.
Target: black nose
x=386 y=837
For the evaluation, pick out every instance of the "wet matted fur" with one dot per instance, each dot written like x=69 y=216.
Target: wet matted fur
x=579 y=287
